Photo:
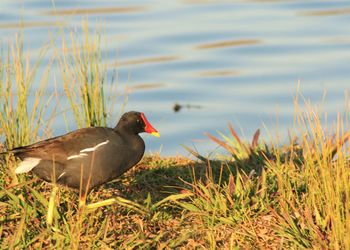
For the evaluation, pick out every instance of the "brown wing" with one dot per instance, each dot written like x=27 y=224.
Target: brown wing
x=60 y=147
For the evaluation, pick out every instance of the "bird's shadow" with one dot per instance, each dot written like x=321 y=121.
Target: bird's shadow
x=153 y=177
x=158 y=177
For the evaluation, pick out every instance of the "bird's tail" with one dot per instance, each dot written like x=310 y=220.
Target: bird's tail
x=14 y=151
x=5 y=152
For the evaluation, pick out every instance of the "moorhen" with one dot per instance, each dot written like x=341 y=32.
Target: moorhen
x=87 y=157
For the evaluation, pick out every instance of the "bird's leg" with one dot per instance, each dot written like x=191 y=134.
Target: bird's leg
x=51 y=209
x=82 y=199
x=107 y=202
x=82 y=190
x=120 y=201
x=52 y=206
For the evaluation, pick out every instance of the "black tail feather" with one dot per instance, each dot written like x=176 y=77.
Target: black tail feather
x=14 y=151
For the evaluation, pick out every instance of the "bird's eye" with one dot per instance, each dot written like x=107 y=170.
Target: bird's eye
x=138 y=120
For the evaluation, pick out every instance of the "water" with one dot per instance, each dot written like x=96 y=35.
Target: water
x=229 y=61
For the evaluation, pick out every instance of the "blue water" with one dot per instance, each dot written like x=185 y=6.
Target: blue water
x=250 y=85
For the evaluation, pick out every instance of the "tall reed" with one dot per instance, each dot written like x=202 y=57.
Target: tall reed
x=84 y=76
x=22 y=108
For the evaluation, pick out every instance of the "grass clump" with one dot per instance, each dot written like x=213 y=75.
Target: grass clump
x=302 y=188
x=20 y=124
x=21 y=119
x=84 y=76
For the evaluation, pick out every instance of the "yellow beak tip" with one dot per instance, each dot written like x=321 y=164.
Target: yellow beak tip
x=156 y=134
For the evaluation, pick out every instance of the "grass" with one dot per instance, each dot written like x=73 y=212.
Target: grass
x=21 y=122
x=257 y=195
x=84 y=76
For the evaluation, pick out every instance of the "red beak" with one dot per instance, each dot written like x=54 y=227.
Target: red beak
x=149 y=128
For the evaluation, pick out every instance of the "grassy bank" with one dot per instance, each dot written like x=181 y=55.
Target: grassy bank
x=294 y=196
x=256 y=195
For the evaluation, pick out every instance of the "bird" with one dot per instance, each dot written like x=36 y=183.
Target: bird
x=88 y=157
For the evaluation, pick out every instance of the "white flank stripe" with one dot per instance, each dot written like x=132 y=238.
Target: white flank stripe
x=27 y=164
x=82 y=152
x=94 y=148
x=76 y=156
x=61 y=175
